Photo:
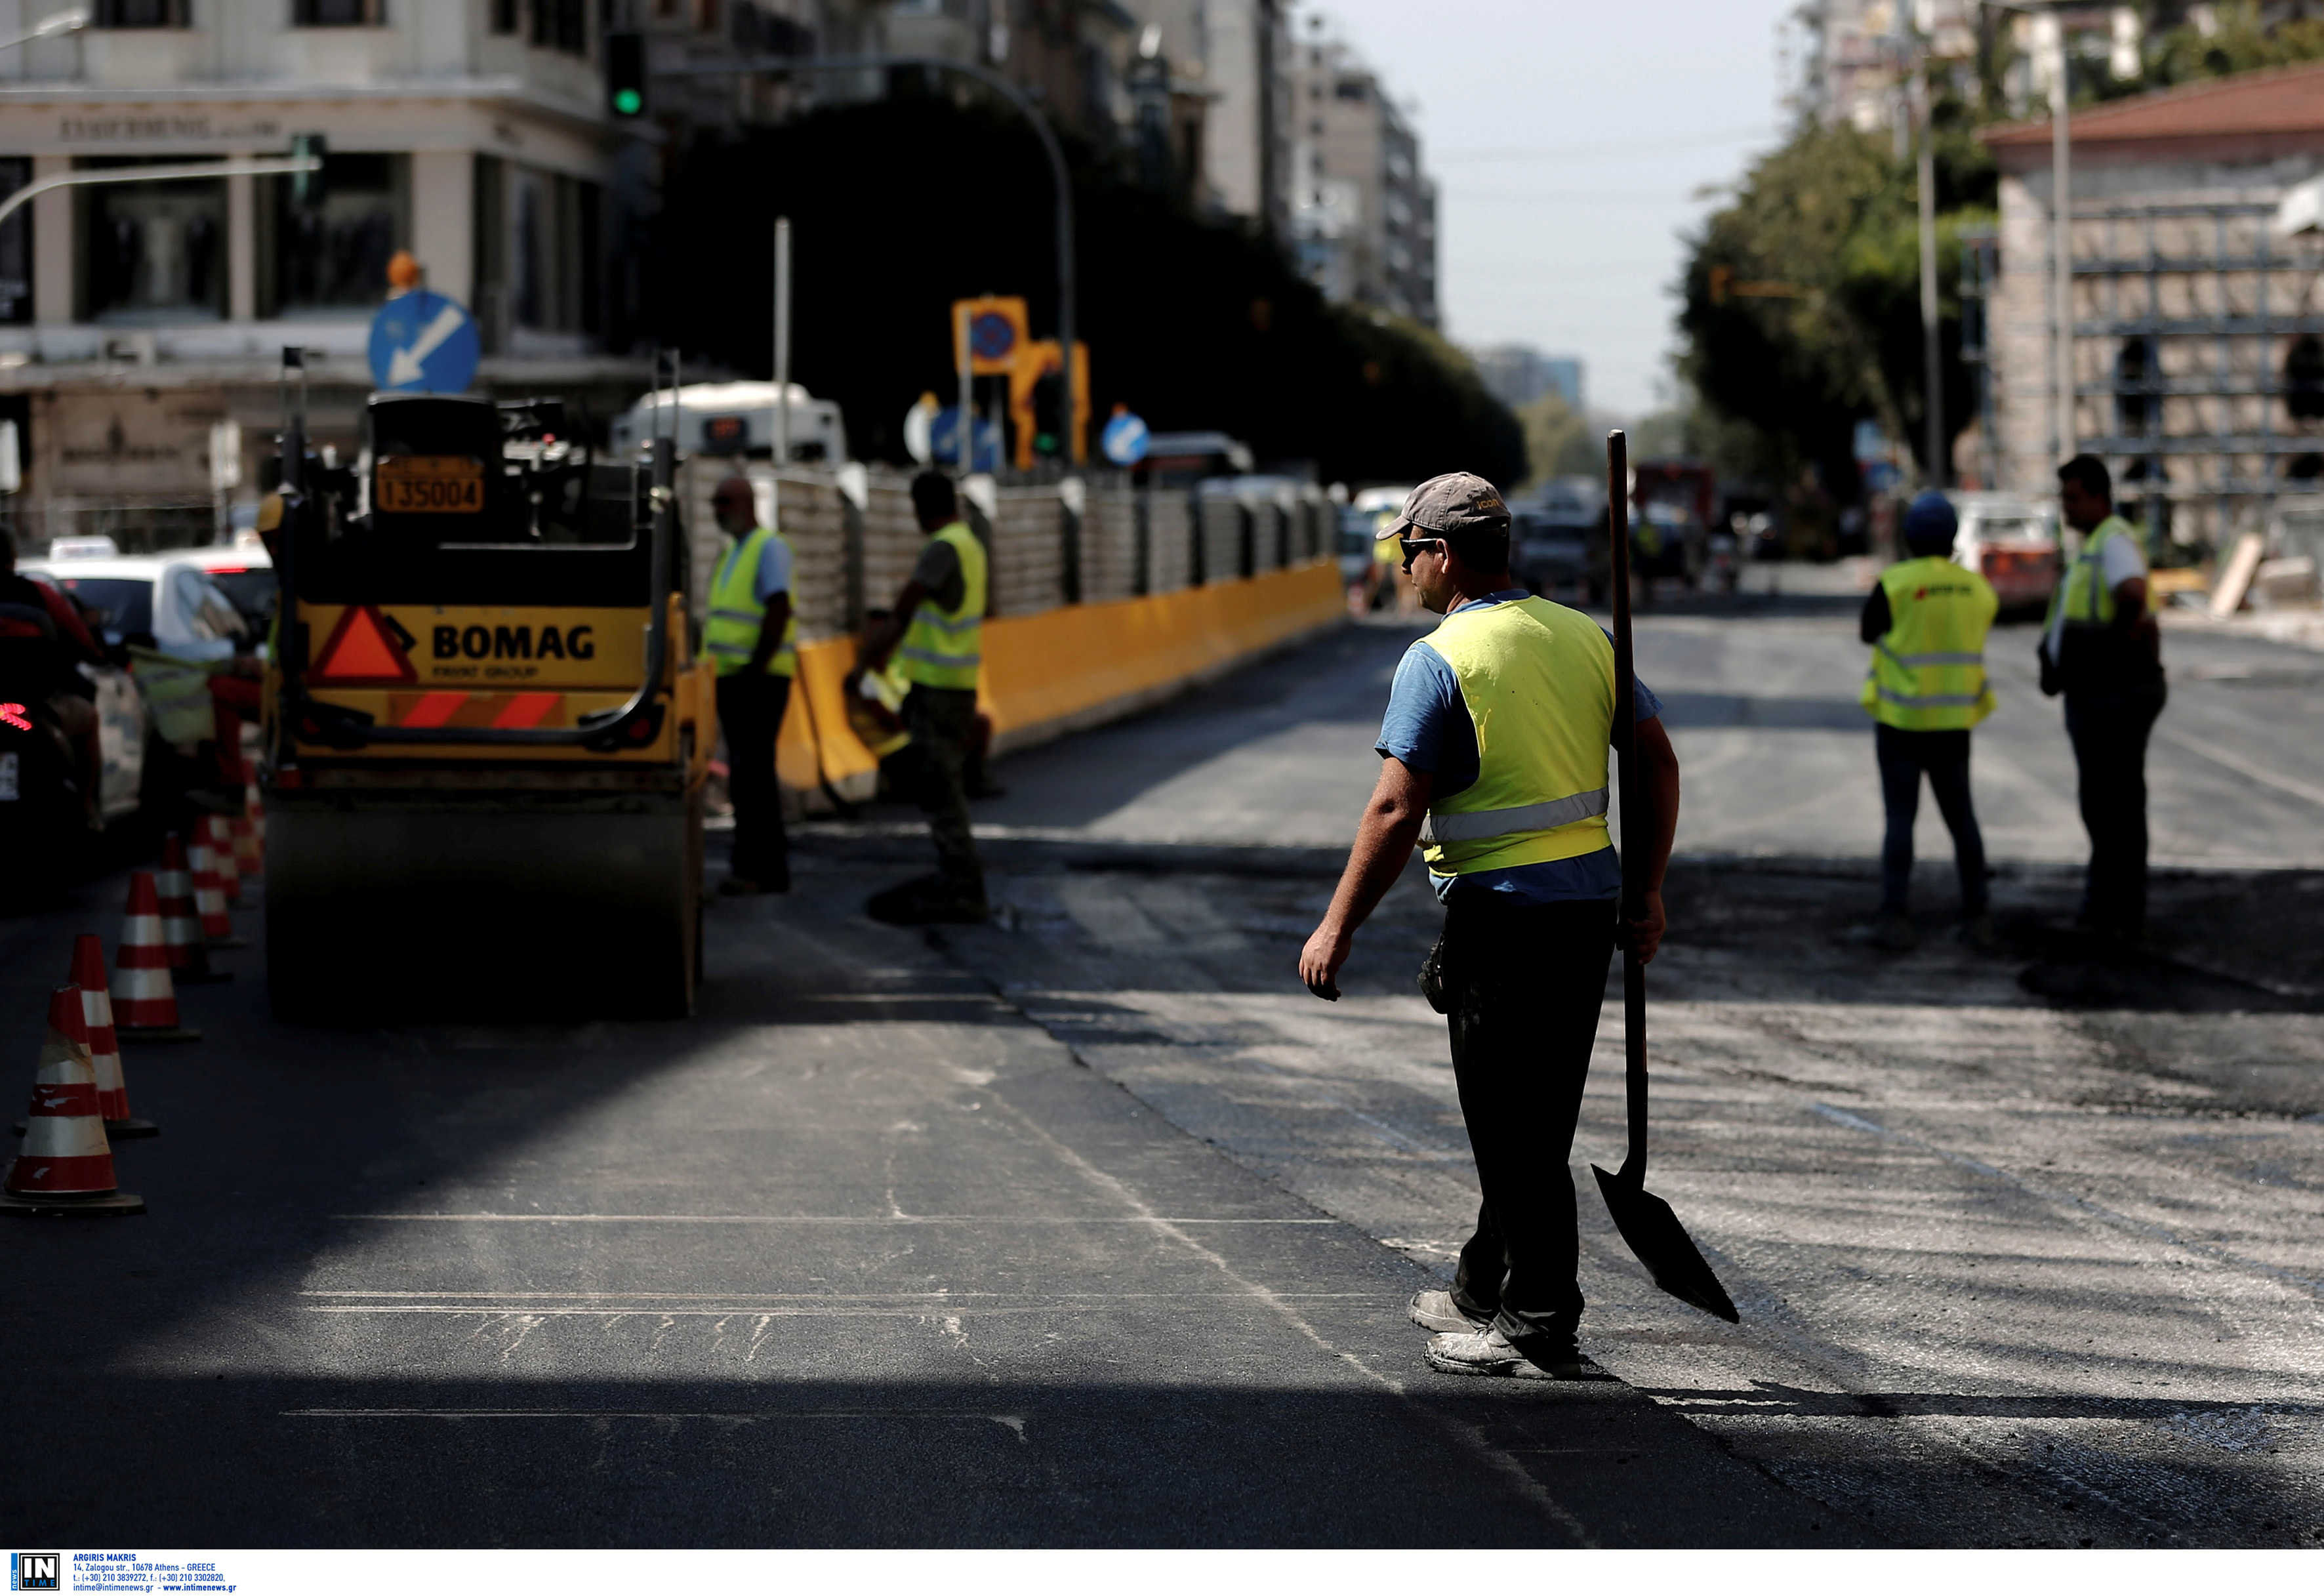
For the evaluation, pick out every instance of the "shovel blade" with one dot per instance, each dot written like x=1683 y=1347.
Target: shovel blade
x=1663 y=1245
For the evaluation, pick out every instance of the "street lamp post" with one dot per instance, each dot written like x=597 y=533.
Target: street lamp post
x=48 y=27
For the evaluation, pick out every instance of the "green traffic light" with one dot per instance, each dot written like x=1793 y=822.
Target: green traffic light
x=629 y=102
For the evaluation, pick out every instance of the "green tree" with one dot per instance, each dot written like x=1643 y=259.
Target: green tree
x=1558 y=441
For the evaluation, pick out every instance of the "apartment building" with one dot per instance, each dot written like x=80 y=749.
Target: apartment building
x=1364 y=217
x=134 y=317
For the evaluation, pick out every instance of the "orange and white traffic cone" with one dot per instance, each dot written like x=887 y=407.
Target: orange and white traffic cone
x=217 y=832
x=209 y=873
x=104 y=1045
x=254 y=809
x=181 y=921
x=145 y=1008
x=66 y=1164
x=243 y=830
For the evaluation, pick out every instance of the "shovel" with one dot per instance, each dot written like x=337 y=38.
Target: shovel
x=1644 y=1220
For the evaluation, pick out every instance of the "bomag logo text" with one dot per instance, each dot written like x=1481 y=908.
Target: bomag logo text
x=514 y=642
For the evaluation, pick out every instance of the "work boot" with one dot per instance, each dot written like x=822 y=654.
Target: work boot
x=1893 y=933
x=1490 y=1352
x=1436 y=1310
x=1978 y=932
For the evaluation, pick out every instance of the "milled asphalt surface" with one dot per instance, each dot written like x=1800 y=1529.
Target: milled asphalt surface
x=1089 y=1227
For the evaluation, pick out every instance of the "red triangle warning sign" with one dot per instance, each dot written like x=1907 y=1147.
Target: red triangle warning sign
x=365 y=646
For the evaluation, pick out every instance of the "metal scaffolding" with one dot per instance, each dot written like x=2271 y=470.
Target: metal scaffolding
x=2185 y=320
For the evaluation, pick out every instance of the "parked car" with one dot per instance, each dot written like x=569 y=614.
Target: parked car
x=2012 y=543
x=151 y=711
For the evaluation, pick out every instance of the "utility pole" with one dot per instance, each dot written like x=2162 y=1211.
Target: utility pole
x=1934 y=376
x=2062 y=235
x=779 y=437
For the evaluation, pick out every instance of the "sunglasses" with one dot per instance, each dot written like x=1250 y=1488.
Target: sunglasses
x=1412 y=546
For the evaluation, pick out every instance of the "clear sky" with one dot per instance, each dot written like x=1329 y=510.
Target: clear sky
x=1568 y=140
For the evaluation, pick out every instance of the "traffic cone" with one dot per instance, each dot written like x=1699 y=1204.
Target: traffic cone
x=253 y=807
x=209 y=891
x=104 y=1045
x=245 y=830
x=147 y=1008
x=218 y=831
x=66 y=1164
x=181 y=922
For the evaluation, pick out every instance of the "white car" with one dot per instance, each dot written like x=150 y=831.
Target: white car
x=168 y=603
x=2012 y=543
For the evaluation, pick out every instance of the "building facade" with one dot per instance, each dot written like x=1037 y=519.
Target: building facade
x=2197 y=347
x=1363 y=219
x=135 y=318
x=1518 y=373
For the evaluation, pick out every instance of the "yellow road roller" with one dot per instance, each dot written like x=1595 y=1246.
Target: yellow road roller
x=487 y=732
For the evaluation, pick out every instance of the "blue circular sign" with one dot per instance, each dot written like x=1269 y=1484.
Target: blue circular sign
x=423 y=343
x=992 y=336
x=1124 y=439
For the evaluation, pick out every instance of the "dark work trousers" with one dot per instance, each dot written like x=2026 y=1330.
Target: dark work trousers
x=1943 y=757
x=2110 y=731
x=1523 y=985
x=942 y=722
x=751 y=715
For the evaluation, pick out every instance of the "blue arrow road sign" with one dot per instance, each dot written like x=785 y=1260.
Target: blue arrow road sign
x=1124 y=439
x=944 y=441
x=423 y=343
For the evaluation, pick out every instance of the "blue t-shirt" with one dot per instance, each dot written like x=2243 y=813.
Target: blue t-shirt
x=1428 y=728
x=774 y=572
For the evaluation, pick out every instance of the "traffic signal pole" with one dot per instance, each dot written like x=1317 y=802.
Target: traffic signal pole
x=1058 y=177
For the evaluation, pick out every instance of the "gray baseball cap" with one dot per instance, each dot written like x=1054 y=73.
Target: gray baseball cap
x=1457 y=502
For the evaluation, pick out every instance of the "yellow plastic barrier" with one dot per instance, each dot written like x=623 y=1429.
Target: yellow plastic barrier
x=1070 y=666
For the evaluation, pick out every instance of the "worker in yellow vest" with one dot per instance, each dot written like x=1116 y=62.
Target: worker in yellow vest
x=2101 y=647
x=751 y=637
x=1926 y=620
x=1493 y=754
x=936 y=633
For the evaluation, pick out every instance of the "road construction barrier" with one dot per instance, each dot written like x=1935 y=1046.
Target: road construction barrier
x=145 y=1008
x=1105 y=598
x=65 y=1167
x=103 y=1043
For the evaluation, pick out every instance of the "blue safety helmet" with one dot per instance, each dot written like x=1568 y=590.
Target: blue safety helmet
x=1930 y=523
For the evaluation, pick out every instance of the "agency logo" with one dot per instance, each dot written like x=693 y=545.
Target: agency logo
x=35 y=1571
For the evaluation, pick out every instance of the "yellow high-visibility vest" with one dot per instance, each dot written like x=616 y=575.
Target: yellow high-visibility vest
x=943 y=648
x=1537 y=680
x=2086 y=599
x=1928 y=672
x=730 y=635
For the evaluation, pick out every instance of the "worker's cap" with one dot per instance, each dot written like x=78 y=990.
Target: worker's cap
x=1452 y=505
x=1930 y=522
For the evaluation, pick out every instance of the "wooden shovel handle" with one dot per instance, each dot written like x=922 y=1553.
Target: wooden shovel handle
x=1634 y=819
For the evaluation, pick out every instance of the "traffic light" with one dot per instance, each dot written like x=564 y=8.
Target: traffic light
x=1049 y=412
x=625 y=75
x=307 y=189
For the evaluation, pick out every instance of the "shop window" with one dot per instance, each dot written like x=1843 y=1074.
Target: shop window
x=152 y=251
x=338 y=13
x=15 y=248
x=333 y=258
x=142 y=13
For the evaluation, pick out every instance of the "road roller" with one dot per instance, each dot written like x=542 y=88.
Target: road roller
x=487 y=732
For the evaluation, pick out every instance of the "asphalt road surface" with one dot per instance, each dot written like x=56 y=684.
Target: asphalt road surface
x=1089 y=1227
